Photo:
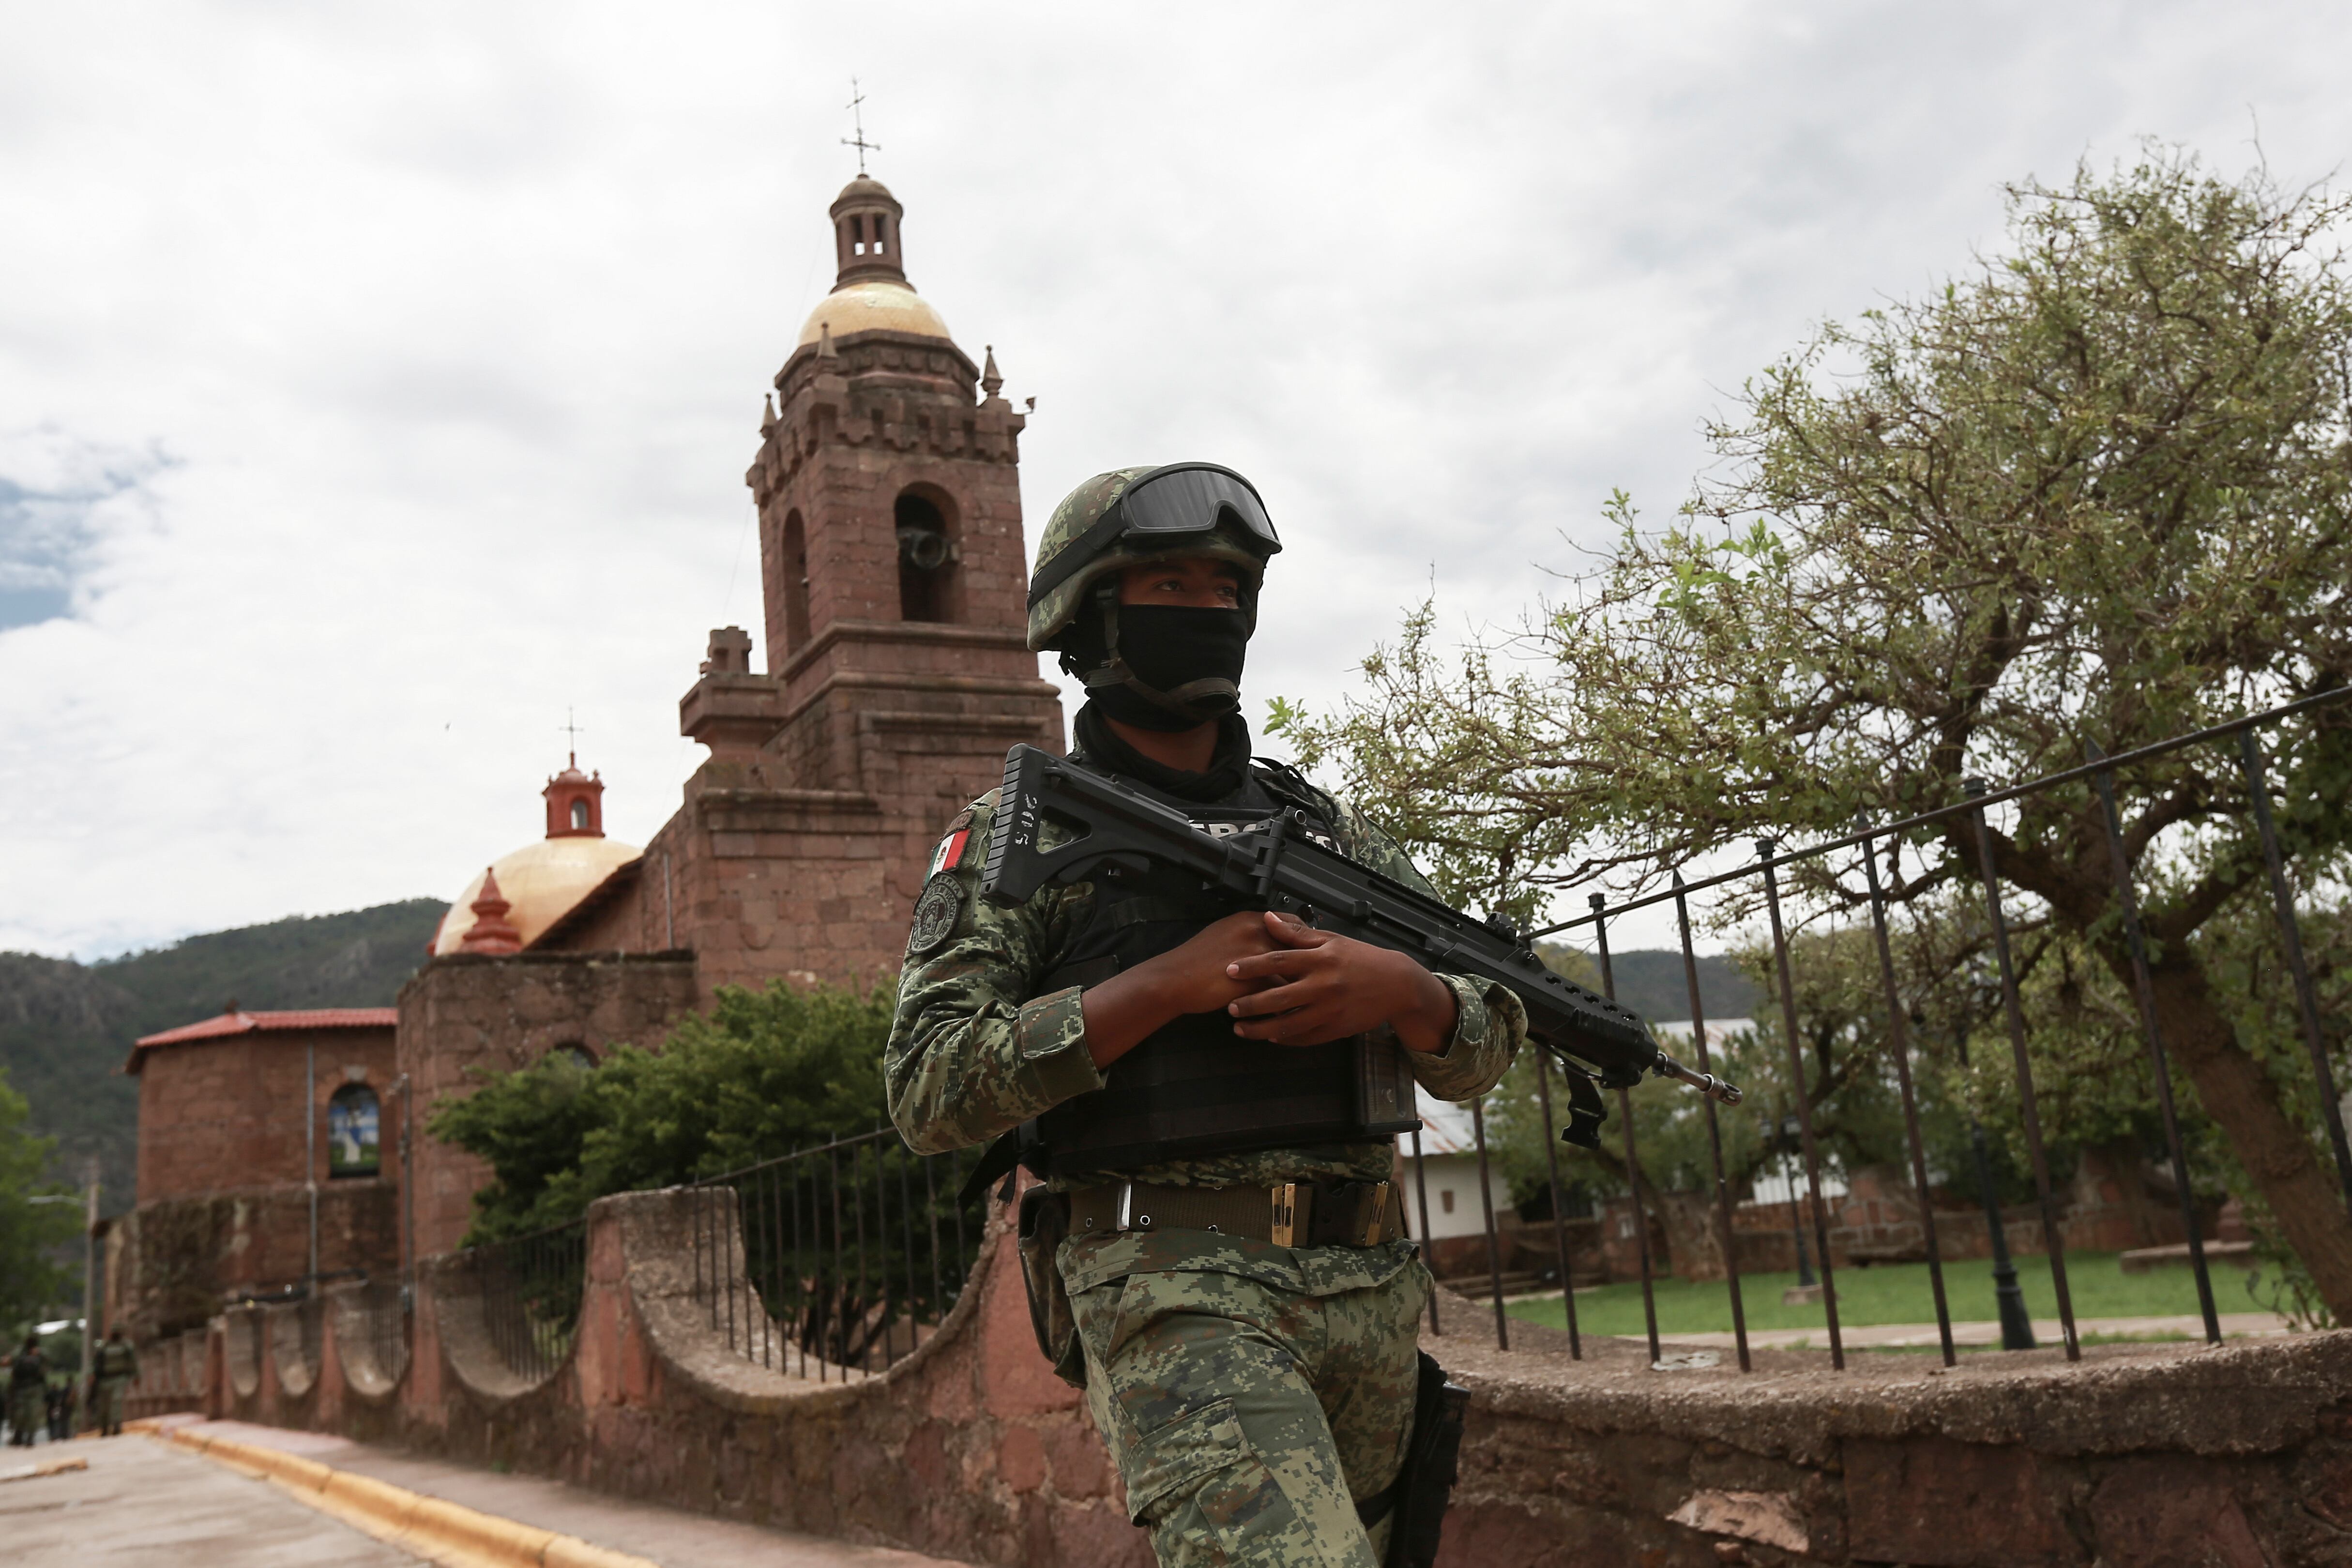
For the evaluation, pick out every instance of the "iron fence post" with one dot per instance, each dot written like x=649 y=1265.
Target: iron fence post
x=1714 y=1132
x=2144 y=991
x=1421 y=1183
x=1897 y=1035
x=1764 y=849
x=2250 y=757
x=1558 y=1218
x=1633 y=1157
x=2053 y=1242
x=1494 y=1245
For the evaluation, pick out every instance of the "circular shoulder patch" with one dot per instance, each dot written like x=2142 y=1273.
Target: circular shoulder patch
x=935 y=915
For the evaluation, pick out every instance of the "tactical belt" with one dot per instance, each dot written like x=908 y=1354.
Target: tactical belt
x=1294 y=1214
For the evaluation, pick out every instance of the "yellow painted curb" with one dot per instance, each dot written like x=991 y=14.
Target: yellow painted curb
x=446 y=1532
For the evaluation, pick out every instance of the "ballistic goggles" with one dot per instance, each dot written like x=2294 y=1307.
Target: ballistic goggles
x=1162 y=512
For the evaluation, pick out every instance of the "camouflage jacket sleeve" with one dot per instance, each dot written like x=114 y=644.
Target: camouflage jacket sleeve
x=973 y=1051
x=1490 y=1022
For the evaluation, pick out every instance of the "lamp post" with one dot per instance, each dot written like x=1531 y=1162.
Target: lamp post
x=88 y=1198
x=1781 y=1135
x=2009 y=1299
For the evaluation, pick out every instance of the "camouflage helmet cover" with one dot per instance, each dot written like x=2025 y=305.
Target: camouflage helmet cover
x=1052 y=615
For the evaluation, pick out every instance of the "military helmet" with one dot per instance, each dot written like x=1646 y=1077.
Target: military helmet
x=1127 y=516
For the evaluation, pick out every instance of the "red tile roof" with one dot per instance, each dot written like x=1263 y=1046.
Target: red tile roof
x=225 y=1024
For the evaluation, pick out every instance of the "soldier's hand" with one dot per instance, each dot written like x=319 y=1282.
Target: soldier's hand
x=1311 y=986
x=1194 y=977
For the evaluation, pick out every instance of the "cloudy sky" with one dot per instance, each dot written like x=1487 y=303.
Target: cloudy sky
x=377 y=383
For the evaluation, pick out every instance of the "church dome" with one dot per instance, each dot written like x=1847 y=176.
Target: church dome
x=871 y=304
x=541 y=883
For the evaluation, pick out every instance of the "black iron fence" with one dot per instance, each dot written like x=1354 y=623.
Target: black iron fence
x=836 y=1261
x=530 y=1289
x=1761 y=882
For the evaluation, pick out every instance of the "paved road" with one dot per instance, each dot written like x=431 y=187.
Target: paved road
x=671 y=1537
x=141 y=1503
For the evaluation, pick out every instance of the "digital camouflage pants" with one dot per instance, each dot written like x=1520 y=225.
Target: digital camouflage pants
x=28 y=1412
x=111 y=1393
x=1246 y=1418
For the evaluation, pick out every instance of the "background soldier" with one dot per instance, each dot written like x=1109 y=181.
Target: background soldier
x=61 y=1408
x=28 y=1393
x=1179 y=1072
x=118 y=1363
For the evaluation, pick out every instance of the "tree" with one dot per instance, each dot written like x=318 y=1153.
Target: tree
x=32 y=1280
x=764 y=1073
x=2097 y=489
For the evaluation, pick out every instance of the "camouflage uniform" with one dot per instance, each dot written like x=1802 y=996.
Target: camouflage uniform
x=1250 y=1393
x=28 y=1394
x=118 y=1367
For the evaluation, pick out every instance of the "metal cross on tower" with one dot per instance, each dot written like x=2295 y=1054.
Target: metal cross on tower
x=570 y=728
x=857 y=118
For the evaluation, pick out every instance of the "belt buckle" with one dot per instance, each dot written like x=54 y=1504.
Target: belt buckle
x=1128 y=1218
x=1290 y=1214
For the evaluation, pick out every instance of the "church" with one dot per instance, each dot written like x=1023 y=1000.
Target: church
x=894 y=573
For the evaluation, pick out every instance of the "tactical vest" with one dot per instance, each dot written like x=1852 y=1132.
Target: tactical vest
x=1194 y=1088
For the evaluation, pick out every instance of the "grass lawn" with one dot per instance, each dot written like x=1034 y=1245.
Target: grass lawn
x=1897 y=1293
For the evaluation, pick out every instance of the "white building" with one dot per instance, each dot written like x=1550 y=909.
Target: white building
x=1449 y=1165
x=1771 y=1180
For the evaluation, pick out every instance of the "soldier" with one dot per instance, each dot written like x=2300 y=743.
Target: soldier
x=28 y=1390
x=118 y=1364
x=1184 y=1077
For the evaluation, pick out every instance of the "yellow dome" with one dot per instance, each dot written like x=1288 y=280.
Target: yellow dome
x=878 y=302
x=543 y=881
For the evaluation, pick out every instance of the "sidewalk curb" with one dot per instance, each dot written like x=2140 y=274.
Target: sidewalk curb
x=446 y=1532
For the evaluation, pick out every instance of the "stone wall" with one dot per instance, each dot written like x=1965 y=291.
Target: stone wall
x=169 y=1265
x=2111 y=1204
x=969 y=1447
x=466 y=1011
x=2153 y=1457
x=2238 y=1457
x=228 y=1112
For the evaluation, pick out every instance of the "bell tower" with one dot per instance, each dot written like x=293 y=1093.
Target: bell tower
x=895 y=581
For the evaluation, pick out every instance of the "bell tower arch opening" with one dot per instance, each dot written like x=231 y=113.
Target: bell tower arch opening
x=928 y=553
x=796 y=582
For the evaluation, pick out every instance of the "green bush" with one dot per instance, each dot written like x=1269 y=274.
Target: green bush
x=765 y=1072
x=32 y=1276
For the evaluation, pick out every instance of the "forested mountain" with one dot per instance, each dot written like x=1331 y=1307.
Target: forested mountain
x=1651 y=982
x=65 y=1027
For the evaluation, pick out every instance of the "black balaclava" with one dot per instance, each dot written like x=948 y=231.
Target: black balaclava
x=1169 y=667
x=1228 y=768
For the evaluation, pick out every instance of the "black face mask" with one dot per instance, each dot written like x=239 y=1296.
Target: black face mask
x=1175 y=667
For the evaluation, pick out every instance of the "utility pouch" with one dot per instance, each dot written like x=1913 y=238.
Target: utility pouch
x=1425 y=1484
x=1044 y=1221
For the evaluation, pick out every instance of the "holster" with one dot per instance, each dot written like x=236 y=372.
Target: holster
x=1044 y=1221
x=1425 y=1485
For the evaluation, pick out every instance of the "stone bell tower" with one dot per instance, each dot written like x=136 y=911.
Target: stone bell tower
x=895 y=579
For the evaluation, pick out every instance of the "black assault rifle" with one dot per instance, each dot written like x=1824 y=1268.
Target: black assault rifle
x=1101 y=825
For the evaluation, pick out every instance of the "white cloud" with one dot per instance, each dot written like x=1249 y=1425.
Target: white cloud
x=455 y=321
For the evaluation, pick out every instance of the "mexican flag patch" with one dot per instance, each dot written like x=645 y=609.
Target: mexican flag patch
x=950 y=852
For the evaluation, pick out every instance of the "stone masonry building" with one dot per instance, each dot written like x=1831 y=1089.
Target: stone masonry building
x=260 y=1163
x=895 y=576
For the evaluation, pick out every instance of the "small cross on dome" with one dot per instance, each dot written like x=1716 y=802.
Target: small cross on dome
x=856 y=107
